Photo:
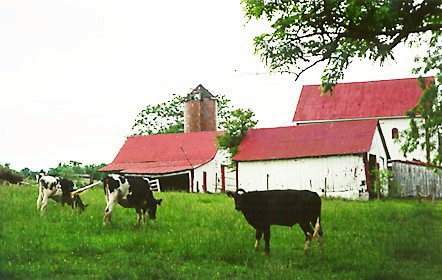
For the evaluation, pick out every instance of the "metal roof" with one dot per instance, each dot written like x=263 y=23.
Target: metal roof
x=310 y=140
x=199 y=93
x=164 y=153
x=384 y=98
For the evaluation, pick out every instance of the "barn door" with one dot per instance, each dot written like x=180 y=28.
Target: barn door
x=205 y=181
x=372 y=166
x=223 y=178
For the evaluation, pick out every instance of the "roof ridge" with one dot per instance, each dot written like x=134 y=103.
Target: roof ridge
x=177 y=133
x=373 y=81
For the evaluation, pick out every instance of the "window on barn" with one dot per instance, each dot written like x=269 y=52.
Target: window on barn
x=394 y=133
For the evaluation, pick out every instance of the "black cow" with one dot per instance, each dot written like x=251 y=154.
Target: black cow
x=67 y=186
x=58 y=190
x=129 y=193
x=280 y=207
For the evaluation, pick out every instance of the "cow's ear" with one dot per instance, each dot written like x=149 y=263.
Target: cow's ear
x=122 y=179
x=159 y=201
x=230 y=194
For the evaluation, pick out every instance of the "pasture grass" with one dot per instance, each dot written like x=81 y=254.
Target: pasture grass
x=201 y=236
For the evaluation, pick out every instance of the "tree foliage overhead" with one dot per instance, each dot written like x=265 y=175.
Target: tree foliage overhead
x=305 y=33
x=168 y=117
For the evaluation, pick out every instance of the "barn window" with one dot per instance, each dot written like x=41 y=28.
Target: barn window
x=394 y=133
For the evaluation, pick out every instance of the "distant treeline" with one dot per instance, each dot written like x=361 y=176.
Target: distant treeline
x=72 y=170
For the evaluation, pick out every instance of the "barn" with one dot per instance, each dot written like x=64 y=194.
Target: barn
x=187 y=162
x=332 y=159
x=385 y=100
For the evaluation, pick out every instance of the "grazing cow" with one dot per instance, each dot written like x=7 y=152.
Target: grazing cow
x=58 y=190
x=280 y=207
x=129 y=193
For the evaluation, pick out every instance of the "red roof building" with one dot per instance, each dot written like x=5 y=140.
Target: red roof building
x=333 y=157
x=325 y=139
x=385 y=100
x=374 y=99
x=185 y=161
x=164 y=153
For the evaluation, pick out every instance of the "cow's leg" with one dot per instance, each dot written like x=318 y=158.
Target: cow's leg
x=258 y=238
x=46 y=196
x=111 y=202
x=144 y=215
x=267 y=240
x=139 y=216
x=40 y=196
x=308 y=231
x=318 y=234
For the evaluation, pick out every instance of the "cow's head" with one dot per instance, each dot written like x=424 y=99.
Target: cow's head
x=79 y=204
x=152 y=207
x=38 y=177
x=237 y=197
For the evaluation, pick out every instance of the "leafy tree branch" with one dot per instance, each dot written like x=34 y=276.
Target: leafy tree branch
x=305 y=33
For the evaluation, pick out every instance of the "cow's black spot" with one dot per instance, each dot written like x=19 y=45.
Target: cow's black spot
x=122 y=179
x=112 y=184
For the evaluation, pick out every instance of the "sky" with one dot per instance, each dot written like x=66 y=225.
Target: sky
x=74 y=74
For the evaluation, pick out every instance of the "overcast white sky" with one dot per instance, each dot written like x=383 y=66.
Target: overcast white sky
x=74 y=74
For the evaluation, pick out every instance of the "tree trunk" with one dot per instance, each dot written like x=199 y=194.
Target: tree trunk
x=427 y=140
x=439 y=136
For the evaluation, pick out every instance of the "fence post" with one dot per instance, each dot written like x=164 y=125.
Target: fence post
x=325 y=187
x=267 y=181
x=418 y=193
x=434 y=195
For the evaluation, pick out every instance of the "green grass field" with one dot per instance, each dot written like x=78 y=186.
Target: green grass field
x=199 y=236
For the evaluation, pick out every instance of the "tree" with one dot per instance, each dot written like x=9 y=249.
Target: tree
x=168 y=117
x=92 y=171
x=235 y=129
x=426 y=116
x=305 y=33
x=72 y=169
x=28 y=173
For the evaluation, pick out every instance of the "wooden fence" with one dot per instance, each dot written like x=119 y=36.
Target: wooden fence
x=417 y=179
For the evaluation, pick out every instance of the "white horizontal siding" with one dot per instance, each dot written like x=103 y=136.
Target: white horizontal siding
x=333 y=173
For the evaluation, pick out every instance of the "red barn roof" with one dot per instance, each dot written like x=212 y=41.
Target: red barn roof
x=358 y=100
x=332 y=138
x=161 y=153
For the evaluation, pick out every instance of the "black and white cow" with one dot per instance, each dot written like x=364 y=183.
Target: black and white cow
x=129 y=193
x=58 y=190
x=280 y=207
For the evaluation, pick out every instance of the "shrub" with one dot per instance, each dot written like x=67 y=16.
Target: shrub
x=9 y=175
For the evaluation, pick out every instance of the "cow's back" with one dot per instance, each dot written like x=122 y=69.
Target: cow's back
x=67 y=186
x=139 y=190
x=279 y=207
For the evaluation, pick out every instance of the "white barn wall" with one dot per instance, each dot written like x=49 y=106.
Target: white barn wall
x=387 y=125
x=377 y=149
x=394 y=149
x=213 y=170
x=334 y=173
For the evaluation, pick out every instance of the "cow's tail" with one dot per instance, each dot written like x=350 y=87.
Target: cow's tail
x=317 y=228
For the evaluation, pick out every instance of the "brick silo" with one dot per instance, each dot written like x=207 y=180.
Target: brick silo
x=199 y=111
